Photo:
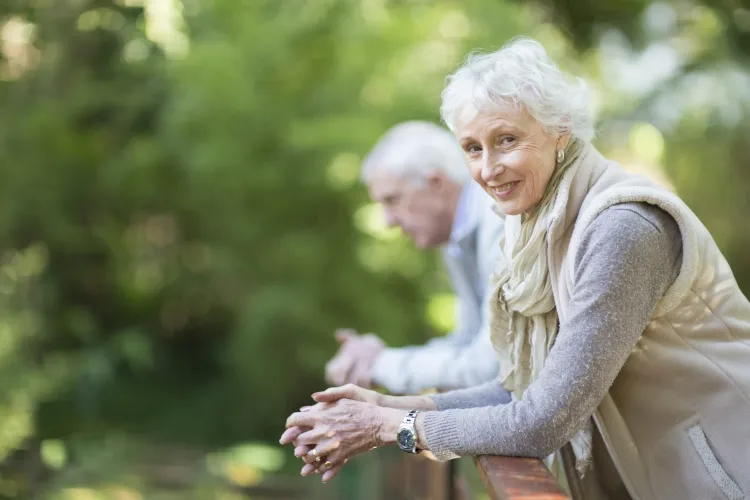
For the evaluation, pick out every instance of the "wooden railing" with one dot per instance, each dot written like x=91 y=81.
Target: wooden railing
x=505 y=478
x=510 y=478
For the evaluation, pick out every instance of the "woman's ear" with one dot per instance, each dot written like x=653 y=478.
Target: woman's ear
x=563 y=140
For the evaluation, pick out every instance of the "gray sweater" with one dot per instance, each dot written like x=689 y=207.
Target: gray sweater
x=629 y=256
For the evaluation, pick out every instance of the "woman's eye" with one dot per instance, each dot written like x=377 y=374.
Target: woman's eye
x=473 y=149
x=507 y=140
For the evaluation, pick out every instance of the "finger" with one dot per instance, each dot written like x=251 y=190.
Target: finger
x=345 y=334
x=308 y=438
x=316 y=406
x=291 y=434
x=329 y=450
x=331 y=453
x=307 y=469
x=335 y=393
x=309 y=458
x=330 y=474
x=301 y=451
x=315 y=460
x=306 y=418
x=301 y=419
x=312 y=455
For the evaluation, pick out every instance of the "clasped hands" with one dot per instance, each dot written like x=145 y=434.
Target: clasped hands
x=344 y=422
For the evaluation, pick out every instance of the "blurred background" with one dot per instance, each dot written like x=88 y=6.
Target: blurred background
x=182 y=227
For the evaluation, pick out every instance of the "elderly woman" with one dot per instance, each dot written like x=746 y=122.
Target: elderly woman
x=618 y=323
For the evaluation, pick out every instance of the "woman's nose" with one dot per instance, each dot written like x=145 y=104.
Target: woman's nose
x=491 y=168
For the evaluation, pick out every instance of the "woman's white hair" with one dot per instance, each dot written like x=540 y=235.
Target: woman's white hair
x=520 y=74
x=416 y=148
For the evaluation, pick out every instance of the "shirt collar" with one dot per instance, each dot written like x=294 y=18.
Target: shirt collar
x=466 y=218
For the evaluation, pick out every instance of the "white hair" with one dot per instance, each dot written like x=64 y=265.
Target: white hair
x=520 y=74
x=414 y=149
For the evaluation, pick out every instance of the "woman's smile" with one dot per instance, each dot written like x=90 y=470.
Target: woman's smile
x=504 y=191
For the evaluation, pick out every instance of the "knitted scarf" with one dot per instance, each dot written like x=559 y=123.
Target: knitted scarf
x=523 y=317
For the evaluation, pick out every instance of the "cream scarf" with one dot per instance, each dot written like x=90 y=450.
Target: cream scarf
x=523 y=317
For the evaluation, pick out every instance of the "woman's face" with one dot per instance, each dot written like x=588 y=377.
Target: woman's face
x=510 y=155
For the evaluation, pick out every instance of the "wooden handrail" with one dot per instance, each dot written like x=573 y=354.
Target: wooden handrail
x=512 y=478
x=507 y=478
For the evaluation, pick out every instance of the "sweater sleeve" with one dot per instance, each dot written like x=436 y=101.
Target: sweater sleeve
x=628 y=258
x=487 y=394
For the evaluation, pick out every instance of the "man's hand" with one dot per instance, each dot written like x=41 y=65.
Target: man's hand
x=355 y=359
x=338 y=368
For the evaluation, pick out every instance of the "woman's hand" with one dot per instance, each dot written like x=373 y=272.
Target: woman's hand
x=348 y=391
x=339 y=431
x=301 y=451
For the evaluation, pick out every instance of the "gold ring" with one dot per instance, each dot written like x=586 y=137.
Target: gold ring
x=316 y=455
x=328 y=465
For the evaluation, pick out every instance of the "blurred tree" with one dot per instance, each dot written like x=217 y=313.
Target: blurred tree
x=684 y=67
x=196 y=204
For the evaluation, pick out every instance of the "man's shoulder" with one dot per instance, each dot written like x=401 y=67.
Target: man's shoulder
x=483 y=240
x=490 y=224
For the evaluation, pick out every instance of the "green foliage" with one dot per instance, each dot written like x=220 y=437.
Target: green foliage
x=27 y=373
x=197 y=207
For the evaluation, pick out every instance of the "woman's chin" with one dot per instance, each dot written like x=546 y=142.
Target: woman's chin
x=510 y=207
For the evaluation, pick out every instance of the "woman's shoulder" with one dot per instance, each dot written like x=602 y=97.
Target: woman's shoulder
x=643 y=217
x=635 y=228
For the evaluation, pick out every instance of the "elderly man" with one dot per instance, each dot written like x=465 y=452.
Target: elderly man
x=417 y=172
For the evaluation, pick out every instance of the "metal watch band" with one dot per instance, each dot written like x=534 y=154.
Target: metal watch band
x=408 y=425
x=411 y=417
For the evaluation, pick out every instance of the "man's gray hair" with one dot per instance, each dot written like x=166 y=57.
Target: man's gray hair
x=416 y=148
x=520 y=74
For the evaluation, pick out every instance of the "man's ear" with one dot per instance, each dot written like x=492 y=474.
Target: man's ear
x=436 y=179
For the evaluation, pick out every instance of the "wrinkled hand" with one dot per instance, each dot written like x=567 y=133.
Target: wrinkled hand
x=302 y=451
x=354 y=361
x=330 y=395
x=337 y=431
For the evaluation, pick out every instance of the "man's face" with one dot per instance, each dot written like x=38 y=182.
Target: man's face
x=420 y=208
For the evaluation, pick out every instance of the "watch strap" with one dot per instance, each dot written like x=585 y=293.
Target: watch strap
x=408 y=423
x=411 y=417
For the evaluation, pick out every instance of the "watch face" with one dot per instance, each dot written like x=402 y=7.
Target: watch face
x=406 y=439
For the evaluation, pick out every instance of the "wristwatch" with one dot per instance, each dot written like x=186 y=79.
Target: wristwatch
x=407 y=433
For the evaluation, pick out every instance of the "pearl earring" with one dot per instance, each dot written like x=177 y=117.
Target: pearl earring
x=560 y=155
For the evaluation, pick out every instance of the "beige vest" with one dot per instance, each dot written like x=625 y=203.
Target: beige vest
x=676 y=421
